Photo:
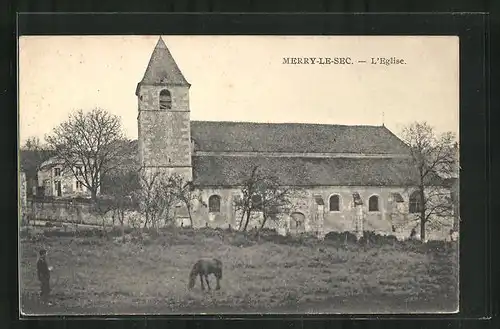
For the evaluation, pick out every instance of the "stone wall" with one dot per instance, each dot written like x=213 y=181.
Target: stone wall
x=64 y=211
x=391 y=218
x=164 y=135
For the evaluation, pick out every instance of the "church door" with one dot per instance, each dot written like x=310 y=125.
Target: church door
x=297 y=222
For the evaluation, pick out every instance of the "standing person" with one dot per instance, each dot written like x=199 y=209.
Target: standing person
x=43 y=272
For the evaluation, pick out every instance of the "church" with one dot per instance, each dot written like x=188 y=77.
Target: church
x=331 y=164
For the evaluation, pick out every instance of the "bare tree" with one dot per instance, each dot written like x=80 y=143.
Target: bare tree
x=101 y=207
x=245 y=203
x=434 y=158
x=186 y=194
x=276 y=199
x=168 y=193
x=262 y=193
x=89 y=144
x=156 y=196
x=122 y=186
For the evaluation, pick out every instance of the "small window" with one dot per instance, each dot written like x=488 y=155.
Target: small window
x=214 y=203
x=78 y=170
x=373 y=203
x=57 y=171
x=257 y=202
x=165 y=100
x=334 y=203
x=415 y=203
x=79 y=185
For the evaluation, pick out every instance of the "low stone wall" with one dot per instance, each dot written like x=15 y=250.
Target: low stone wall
x=75 y=212
x=83 y=213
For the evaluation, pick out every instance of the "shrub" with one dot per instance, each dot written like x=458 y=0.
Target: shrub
x=278 y=239
x=438 y=246
x=268 y=231
x=340 y=237
x=207 y=232
x=377 y=239
x=410 y=245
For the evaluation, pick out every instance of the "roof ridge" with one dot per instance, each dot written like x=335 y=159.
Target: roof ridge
x=286 y=123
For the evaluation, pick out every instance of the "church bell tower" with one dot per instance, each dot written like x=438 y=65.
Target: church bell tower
x=164 y=135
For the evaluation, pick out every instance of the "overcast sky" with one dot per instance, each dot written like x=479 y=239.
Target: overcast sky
x=242 y=78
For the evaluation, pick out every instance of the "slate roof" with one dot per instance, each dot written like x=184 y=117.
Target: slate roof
x=51 y=162
x=162 y=68
x=294 y=137
x=294 y=171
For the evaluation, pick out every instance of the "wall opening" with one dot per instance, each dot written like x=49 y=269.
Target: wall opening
x=214 y=203
x=334 y=203
x=165 y=100
x=373 y=203
x=415 y=203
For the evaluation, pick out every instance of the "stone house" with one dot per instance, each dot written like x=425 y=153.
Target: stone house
x=338 y=168
x=60 y=182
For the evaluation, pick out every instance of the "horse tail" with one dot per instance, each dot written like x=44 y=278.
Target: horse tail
x=192 y=275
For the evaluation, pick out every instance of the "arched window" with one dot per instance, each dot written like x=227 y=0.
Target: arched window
x=257 y=202
x=334 y=203
x=397 y=204
x=214 y=203
x=373 y=203
x=415 y=202
x=165 y=100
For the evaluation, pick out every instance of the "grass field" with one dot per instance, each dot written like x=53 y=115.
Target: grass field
x=149 y=274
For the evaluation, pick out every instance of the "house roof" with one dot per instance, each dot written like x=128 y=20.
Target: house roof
x=162 y=68
x=294 y=171
x=294 y=137
x=52 y=161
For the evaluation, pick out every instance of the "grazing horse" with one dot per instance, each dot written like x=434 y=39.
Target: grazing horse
x=204 y=267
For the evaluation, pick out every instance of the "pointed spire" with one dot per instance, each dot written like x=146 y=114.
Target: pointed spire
x=162 y=68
